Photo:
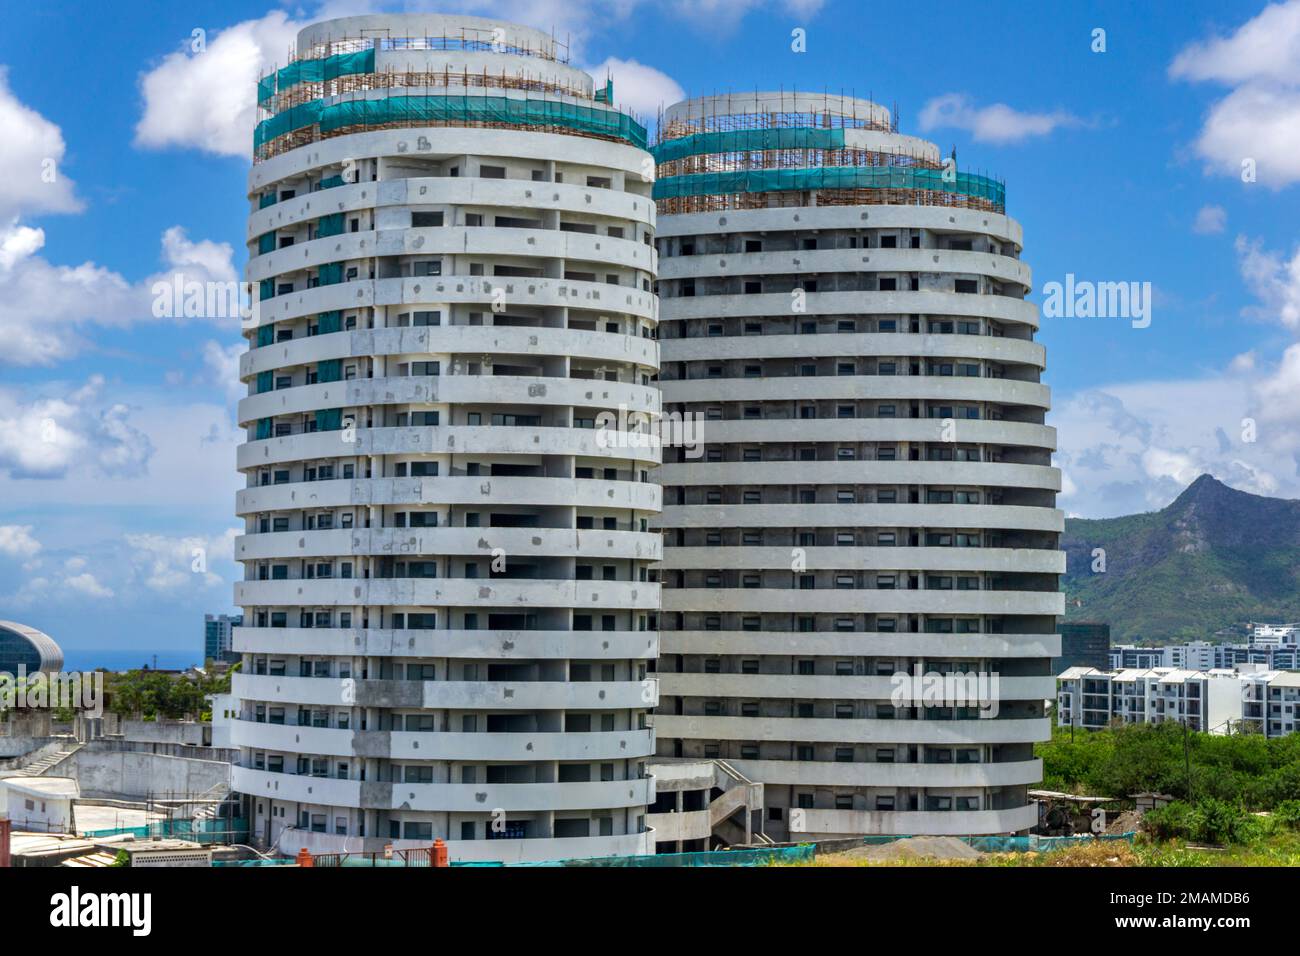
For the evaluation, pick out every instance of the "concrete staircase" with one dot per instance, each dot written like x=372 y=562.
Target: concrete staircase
x=42 y=765
x=731 y=812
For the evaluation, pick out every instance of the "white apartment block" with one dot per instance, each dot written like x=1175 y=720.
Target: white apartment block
x=875 y=490
x=1217 y=701
x=448 y=606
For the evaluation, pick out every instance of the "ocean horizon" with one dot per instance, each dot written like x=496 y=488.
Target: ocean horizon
x=120 y=659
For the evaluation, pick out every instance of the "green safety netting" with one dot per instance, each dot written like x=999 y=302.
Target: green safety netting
x=315 y=71
x=264 y=382
x=331 y=273
x=413 y=110
x=331 y=225
x=268 y=199
x=266 y=290
x=329 y=322
x=265 y=243
x=834 y=177
x=329 y=182
x=263 y=429
x=265 y=335
x=296 y=117
x=330 y=370
x=746 y=140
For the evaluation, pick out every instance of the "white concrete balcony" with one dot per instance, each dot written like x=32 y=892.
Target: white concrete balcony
x=445 y=797
x=944 y=775
x=831 y=823
x=498 y=241
x=859 y=644
x=451 y=439
x=993 y=560
x=500 y=593
x=848 y=261
x=517 y=543
x=831 y=730
x=412 y=745
x=452 y=141
x=829 y=686
x=766 y=304
x=452 y=695
x=454 y=339
x=977 y=473
x=930 y=388
x=916 y=430
x=503 y=645
x=451 y=490
x=802 y=218
x=852 y=601
x=832 y=515
x=460 y=389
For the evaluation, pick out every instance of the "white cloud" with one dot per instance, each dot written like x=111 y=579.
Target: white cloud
x=85 y=584
x=1264 y=48
x=45 y=307
x=167 y=564
x=1259 y=119
x=207 y=100
x=1274 y=280
x=997 y=123
x=31 y=161
x=48 y=436
x=222 y=364
x=641 y=88
x=16 y=541
x=1210 y=220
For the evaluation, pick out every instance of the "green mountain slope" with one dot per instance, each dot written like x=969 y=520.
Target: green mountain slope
x=1213 y=558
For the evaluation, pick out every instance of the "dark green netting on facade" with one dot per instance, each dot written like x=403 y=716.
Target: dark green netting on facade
x=833 y=177
x=747 y=140
x=331 y=225
x=329 y=322
x=452 y=110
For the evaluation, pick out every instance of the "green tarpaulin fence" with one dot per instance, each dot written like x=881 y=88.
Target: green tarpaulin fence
x=265 y=335
x=413 y=110
x=747 y=140
x=265 y=243
x=329 y=322
x=834 y=177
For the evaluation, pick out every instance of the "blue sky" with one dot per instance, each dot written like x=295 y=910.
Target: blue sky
x=1122 y=165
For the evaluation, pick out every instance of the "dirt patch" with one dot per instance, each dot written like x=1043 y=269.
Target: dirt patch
x=914 y=848
x=1127 y=822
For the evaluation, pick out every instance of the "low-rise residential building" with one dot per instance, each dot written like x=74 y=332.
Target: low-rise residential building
x=1213 y=700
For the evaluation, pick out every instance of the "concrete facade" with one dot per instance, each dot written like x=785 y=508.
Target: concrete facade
x=447 y=599
x=875 y=492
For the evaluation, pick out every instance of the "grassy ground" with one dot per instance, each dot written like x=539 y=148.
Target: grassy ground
x=1275 y=850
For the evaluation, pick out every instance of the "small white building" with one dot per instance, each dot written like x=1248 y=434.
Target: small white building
x=39 y=804
x=1215 y=701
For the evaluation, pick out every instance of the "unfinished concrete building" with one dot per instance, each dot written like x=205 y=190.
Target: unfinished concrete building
x=846 y=312
x=446 y=596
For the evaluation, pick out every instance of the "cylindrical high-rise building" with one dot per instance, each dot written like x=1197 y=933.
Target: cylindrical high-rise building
x=447 y=605
x=874 y=496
